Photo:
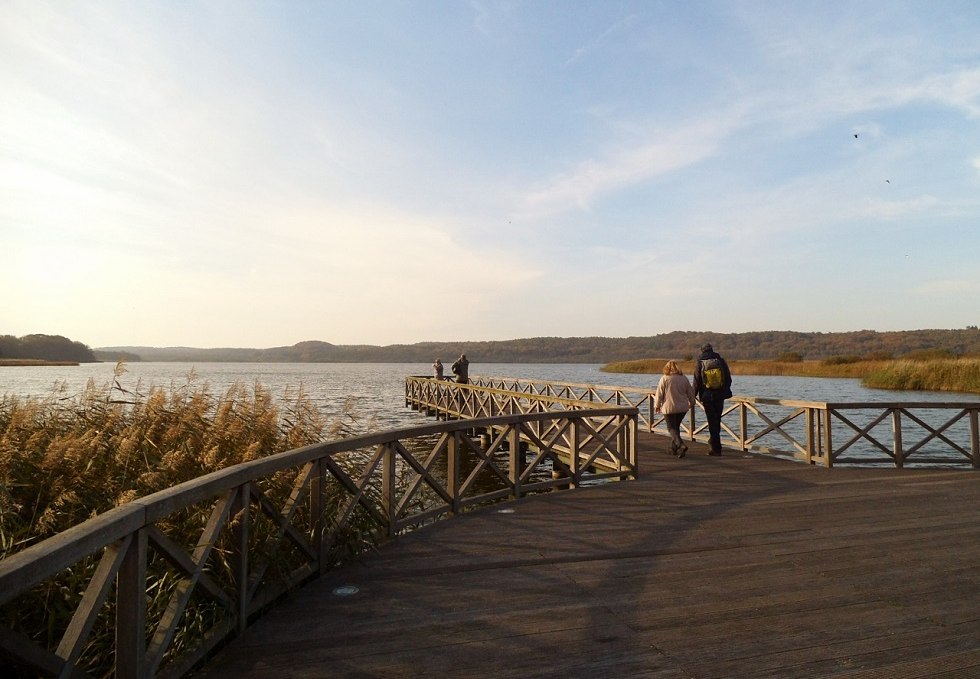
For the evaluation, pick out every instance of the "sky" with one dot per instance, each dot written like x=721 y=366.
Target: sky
x=256 y=174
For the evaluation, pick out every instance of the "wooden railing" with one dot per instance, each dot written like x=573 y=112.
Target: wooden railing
x=922 y=432
x=869 y=433
x=219 y=549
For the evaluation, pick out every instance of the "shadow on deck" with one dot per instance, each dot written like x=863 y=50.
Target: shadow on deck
x=735 y=566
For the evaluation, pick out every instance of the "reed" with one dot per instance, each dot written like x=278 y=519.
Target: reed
x=67 y=457
x=918 y=374
x=961 y=374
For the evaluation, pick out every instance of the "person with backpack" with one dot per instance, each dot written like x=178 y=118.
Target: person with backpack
x=712 y=385
x=674 y=398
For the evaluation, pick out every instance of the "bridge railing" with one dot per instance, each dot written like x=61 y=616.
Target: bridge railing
x=867 y=433
x=152 y=587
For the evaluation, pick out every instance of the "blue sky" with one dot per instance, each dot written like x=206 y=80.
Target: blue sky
x=255 y=174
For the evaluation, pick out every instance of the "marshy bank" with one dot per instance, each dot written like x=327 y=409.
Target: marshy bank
x=906 y=374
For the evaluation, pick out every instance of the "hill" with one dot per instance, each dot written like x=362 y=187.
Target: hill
x=49 y=348
x=679 y=344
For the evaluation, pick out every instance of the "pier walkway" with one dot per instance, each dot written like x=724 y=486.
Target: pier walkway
x=737 y=566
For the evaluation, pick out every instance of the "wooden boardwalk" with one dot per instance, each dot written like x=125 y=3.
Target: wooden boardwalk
x=705 y=567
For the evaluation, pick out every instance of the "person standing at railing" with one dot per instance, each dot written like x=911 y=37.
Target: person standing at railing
x=674 y=398
x=712 y=385
x=461 y=369
x=437 y=368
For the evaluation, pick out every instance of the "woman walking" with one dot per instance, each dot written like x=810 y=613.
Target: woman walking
x=674 y=397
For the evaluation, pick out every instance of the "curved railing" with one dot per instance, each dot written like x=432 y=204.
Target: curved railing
x=167 y=578
x=866 y=433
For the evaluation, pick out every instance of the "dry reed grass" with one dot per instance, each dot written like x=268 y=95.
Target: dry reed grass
x=65 y=458
x=942 y=374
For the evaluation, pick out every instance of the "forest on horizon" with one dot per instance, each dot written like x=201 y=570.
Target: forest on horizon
x=678 y=344
x=682 y=345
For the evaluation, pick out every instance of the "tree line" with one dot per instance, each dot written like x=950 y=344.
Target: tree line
x=45 y=348
x=682 y=345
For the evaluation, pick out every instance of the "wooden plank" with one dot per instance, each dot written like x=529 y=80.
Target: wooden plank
x=707 y=567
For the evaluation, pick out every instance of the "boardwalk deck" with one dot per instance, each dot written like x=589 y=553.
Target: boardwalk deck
x=704 y=567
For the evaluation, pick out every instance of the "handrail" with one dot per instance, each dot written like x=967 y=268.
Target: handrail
x=269 y=525
x=807 y=430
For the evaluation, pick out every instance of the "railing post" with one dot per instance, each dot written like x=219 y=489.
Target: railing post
x=897 y=437
x=131 y=609
x=810 y=435
x=516 y=459
x=975 y=437
x=631 y=454
x=318 y=509
x=239 y=557
x=743 y=425
x=389 y=487
x=829 y=441
x=574 y=441
x=452 y=470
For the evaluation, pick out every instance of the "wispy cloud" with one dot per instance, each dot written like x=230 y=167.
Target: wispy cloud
x=602 y=39
x=591 y=179
x=949 y=286
x=895 y=209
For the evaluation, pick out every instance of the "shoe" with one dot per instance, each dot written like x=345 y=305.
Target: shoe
x=715 y=453
x=682 y=452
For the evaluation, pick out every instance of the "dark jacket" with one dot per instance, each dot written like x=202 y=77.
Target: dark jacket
x=461 y=369
x=705 y=394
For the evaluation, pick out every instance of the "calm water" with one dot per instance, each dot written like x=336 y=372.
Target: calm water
x=381 y=386
x=377 y=390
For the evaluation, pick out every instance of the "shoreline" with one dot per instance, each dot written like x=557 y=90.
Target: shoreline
x=32 y=362
x=960 y=375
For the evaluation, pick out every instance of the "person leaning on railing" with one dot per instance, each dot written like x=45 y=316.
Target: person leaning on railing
x=461 y=369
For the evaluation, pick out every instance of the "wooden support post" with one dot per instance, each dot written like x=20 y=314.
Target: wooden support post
x=574 y=442
x=452 y=470
x=743 y=425
x=897 y=448
x=389 y=487
x=131 y=609
x=239 y=558
x=634 y=459
x=829 y=440
x=516 y=459
x=975 y=437
x=811 y=424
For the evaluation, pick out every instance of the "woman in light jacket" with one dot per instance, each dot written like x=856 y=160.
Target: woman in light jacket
x=674 y=397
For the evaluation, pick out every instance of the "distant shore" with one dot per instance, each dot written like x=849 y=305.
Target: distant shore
x=10 y=362
x=953 y=374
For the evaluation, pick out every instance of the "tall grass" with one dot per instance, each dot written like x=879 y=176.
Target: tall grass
x=67 y=457
x=935 y=375
x=925 y=374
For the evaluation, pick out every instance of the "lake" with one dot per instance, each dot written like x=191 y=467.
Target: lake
x=377 y=390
